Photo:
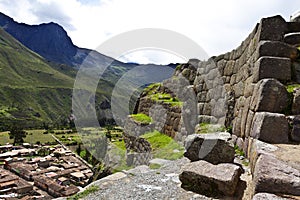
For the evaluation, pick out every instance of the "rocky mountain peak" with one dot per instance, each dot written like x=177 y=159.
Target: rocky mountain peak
x=49 y=40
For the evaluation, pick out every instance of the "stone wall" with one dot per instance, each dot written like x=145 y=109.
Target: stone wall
x=244 y=90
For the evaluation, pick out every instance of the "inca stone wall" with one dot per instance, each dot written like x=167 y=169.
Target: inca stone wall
x=244 y=90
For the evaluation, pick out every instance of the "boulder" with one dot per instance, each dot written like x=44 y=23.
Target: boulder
x=211 y=180
x=275 y=176
x=270 y=127
x=214 y=148
x=268 y=196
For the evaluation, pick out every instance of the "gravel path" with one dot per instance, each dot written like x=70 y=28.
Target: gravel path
x=142 y=183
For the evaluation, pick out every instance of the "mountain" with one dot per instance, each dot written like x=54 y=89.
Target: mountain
x=31 y=91
x=40 y=64
x=51 y=41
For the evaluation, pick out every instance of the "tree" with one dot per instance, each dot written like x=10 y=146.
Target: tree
x=18 y=134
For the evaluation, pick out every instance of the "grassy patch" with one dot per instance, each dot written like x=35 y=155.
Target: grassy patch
x=85 y=193
x=142 y=118
x=154 y=166
x=238 y=151
x=120 y=144
x=211 y=128
x=290 y=88
x=151 y=89
x=164 y=146
x=166 y=98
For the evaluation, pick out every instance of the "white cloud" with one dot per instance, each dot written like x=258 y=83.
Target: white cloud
x=218 y=26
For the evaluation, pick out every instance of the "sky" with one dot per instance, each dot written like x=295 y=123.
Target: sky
x=218 y=26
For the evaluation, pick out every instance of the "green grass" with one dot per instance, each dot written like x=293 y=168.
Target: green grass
x=34 y=136
x=120 y=144
x=154 y=166
x=166 y=98
x=151 y=89
x=290 y=88
x=142 y=118
x=210 y=128
x=239 y=151
x=163 y=146
x=85 y=193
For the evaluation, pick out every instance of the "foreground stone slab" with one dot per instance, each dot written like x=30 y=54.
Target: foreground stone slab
x=211 y=180
x=214 y=148
x=274 y=176
x=268 y=196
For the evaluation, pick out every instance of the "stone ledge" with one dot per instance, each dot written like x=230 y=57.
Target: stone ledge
x=272 y=67
x=276 y=49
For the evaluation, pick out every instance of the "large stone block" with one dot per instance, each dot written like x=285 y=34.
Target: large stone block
x=292 y=38
x=271 y=96
x=211 y=180
x=257 y=148
x=213 y=148
x=272 y=67
x=276 y=49
x=272 y=28
x=274 y=176
x=270 y=127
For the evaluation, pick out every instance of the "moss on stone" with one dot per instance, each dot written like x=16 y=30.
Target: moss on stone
x=166 y=98
x=141 y=118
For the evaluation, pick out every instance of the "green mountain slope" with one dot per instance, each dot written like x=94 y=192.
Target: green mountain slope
x=31 y=91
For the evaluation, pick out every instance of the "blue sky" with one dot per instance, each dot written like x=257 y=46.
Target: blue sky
x=217 y=26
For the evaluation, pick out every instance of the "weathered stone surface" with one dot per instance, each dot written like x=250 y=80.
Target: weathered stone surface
x=296 y=71
x=295 y=134
x=271 y=96
x=135 y=128
x=292 y=38
x=276 y=49
x=296 y=102
x=270 y=127
x=273 y=67
x=268 y=196
x=208 y=179
x=274 y=176
x=272 y=28
x=257 y=148
x=213 y=148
